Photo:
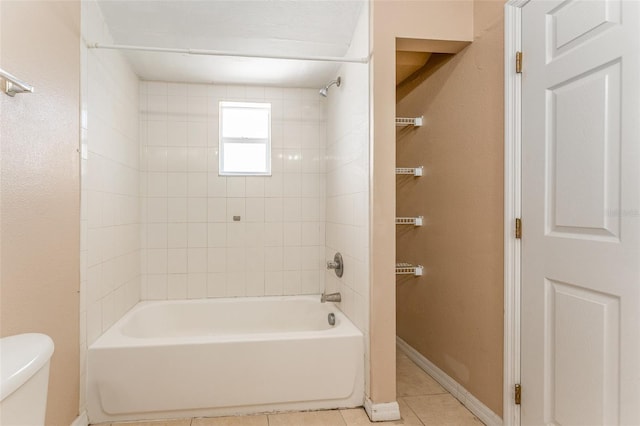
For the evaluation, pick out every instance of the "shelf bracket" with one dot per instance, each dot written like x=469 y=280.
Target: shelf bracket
x=411 y=171
x=415 y=221
x=409 y=121
x=404 y=268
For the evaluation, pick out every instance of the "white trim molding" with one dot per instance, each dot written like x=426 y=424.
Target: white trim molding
x=81 y=420
x=382 y=412
x=512 y=209
x=481 y=411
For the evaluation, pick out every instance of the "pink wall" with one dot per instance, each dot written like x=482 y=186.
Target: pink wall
x=40 y=203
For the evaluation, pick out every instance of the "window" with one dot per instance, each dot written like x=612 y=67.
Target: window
x=245 y=138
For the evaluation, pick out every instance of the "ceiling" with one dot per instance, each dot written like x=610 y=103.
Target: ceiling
x=295 y=27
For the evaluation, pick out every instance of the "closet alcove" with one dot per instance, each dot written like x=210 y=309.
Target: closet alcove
x=449 y=213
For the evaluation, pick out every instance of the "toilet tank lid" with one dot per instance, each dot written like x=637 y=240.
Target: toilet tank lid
x=22 y=356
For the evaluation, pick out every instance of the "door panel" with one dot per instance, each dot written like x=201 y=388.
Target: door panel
x=565 y=32
x=584 y=154
x=582 y=342
x=580 y=327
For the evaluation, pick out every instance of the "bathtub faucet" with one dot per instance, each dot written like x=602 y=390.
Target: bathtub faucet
x=331 y=297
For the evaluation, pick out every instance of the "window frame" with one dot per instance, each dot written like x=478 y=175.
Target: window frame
x=243 y=140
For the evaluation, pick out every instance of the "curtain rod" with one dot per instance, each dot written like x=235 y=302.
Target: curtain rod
x=204 y=52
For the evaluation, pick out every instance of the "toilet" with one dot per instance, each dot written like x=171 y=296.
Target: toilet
x=24 y=378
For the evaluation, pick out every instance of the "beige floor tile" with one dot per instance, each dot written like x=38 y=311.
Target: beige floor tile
x=441 y=410
x=412 y=380
x=232 y=421
x=358 y=417
x=311 y=418
x=176 y=422
x=355 y=417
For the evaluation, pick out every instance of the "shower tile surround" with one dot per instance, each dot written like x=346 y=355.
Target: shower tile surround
x=191 y=245
x=156 y=219
x=110 y=181
x=347 y=191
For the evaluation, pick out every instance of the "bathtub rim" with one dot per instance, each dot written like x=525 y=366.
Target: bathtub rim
x=113 y=337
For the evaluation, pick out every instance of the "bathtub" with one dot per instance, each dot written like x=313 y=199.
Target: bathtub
x=219 y=357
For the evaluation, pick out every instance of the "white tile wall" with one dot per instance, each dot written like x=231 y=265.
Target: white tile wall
x=110 y=246
x=347 y=185
x=192 y=248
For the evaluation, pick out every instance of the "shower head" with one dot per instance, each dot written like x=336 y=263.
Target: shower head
x=325 y=90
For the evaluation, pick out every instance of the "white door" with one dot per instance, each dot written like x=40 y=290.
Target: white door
x=580 y=213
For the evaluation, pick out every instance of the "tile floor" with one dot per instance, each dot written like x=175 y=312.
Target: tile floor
x=423 y=402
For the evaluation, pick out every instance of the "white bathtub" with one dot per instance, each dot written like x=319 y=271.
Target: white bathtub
x=223 y=357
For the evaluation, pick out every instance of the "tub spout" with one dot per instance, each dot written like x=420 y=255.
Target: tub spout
x=331 y=297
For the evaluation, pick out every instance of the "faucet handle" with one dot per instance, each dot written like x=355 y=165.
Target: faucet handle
x=336 y=265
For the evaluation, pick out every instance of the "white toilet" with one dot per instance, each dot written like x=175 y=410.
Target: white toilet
x=24 y=379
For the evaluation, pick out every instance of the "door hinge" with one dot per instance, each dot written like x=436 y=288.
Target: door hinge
x=518 y=394
x=518 y=62
x=518 y=228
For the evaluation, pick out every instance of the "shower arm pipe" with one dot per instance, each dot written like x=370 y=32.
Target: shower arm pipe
x=204 y=52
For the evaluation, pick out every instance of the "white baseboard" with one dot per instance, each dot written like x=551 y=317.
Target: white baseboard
x=81 y=420
x=474 y=405
x=382 y=412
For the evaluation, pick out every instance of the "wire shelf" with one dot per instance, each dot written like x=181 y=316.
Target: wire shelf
x=413 y=171
x=415 y=221
x=403 y=268
x=409 y=121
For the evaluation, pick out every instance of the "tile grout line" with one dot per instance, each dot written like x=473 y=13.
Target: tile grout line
x=344 y=421
x=342 y=416
x=410 y=409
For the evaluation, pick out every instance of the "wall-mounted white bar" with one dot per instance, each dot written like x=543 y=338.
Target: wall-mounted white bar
x=415 y=171
x=409 y=269
x=13 y=84
x=415 y=221
x=204 y=52
x=404 y=121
